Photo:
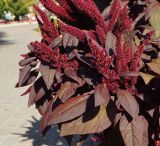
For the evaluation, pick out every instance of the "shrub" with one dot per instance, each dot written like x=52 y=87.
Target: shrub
x=99 y=72
x=16 y=7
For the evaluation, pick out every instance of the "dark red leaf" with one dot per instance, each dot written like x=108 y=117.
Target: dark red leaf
x=27 y=61
x=27 y=91
x=56 y=42
x=69 y=40
x=31 y=48
x=95 y=125
x=65 y=39
x=48 y=110
x=70 y=72
x=24 y=74
x=42 y=108
x=25 y=55
x=75 y=42
x=66 y=91
x=90 y=76
x=38 y=90
x=105 y=13
x=84 y=59
x=110 y=42
x=48 y=74
x=101 y=95
x=32 y=77
x=128 y=102
x=33 y=63
x=43 y=103
x=134 y=133
x=71 y=109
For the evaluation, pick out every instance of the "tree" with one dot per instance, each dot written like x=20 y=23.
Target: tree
x=3 y=7
x=16 y=7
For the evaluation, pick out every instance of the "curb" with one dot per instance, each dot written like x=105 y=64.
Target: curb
x=16 y=24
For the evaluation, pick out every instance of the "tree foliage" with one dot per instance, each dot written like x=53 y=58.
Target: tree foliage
x=16 y=7
x=3 y=7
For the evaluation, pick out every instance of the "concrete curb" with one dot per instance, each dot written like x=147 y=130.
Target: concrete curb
x=16 y=24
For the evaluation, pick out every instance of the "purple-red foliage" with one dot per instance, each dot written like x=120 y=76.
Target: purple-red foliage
x=72 y=30
x=53 y=57
x=92 y=11
x=115 y=11
x=56 y=9
x=84 y=72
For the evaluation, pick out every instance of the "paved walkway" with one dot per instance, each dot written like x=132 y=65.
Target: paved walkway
x=16 y=119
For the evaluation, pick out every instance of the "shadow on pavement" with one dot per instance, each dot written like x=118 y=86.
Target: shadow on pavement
x=3 y=40
x=52 y=138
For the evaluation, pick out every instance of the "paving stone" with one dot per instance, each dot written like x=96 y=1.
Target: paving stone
x=13 y=108
x=11 y=141
x=1 y=140
x=25 y=143
x=12 y=123
x=5 y=132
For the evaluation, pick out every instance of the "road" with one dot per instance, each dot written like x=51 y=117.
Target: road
x=17 y=121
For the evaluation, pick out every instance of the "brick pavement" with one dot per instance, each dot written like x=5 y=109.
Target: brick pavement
x=15 y=116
